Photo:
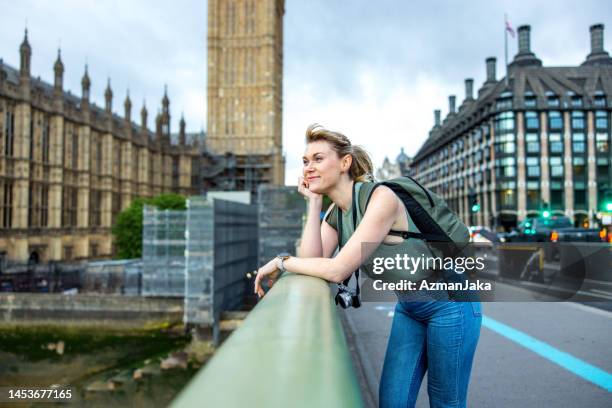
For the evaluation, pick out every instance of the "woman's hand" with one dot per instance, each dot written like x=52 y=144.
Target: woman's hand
x=303 y=190
x=269 y=271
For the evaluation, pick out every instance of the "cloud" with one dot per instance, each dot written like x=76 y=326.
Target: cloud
x=373 y=70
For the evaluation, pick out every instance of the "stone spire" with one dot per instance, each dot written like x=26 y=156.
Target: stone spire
x=182 y=137
x=165 y=100
x=58 y=69
x=143 y=115
x=85 y=86
x=165 y=115
x=108 y=97
x=128 y=107
x=25 y=51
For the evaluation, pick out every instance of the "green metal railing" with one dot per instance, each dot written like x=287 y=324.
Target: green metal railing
x=290 y=351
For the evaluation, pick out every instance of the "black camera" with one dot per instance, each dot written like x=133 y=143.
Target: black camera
x=347 y=297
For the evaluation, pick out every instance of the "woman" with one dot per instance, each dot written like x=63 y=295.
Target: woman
x=435 y=336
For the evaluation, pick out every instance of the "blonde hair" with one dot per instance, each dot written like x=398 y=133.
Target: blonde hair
x=361 y=166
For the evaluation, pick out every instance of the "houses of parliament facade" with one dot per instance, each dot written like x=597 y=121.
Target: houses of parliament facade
x=68 y=167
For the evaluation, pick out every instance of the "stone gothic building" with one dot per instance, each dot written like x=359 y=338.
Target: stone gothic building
x=67 y=167
x=245 y=68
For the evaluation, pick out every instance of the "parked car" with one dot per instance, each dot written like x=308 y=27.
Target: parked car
x=552 y=230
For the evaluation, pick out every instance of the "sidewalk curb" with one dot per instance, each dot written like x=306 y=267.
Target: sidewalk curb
x=368 y=381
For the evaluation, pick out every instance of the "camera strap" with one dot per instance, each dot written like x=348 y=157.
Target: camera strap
x=340 y=244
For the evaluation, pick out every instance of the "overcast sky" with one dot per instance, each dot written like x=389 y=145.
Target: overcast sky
x=374 y=70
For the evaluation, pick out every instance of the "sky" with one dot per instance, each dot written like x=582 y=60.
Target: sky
x=373 y=70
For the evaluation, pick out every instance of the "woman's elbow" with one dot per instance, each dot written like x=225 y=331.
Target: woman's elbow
x=338 y=275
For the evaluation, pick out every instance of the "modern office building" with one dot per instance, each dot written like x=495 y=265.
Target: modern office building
x=537 y=139
x=67 y=167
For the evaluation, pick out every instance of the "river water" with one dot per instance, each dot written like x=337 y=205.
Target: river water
x=91 y=362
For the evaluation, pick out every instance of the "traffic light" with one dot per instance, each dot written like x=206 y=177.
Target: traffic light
x=607 y=201
x=545 y=210
x=474 y=202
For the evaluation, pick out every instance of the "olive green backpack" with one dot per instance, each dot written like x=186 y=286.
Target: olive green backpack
x=431 y=223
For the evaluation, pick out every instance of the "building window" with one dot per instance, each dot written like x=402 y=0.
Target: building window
x=504 y=122
x=75 y=151
x=556 y=167
x=507 y=199
x=99 y=156
x=93 y=250
x=7 y=203
x=44 y=206
x=46 y=132
x=95 y=208
x=601 y=143
x=68 y=253
x=600 y=100
x=601 y=120
x=32 y=152
x=175 y=172
x=556 y=197
x=532 y=143
x=576 y=101
x=577 y=120
x=530 y=102
x=532 y=121
x=555 y=121
x=555 y=143
x=533 y=199
x=505 y=143
x=503 y=104
x=533 y=166
x=580 y=201
x=578 y=143
x=9 y=132
x=116 y=206
x=552 y=99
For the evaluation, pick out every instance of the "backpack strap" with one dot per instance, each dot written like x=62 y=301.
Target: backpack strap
x=428 y=229
x=332 y=216
x=356 y=208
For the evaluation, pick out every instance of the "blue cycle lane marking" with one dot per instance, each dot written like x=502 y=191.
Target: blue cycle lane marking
x=579 y=367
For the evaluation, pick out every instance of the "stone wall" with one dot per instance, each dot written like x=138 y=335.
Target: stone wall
x=108 y=311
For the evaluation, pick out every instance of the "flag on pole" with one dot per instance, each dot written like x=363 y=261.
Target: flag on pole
x=510 y=29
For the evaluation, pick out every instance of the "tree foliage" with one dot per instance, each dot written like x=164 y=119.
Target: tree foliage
x=127 y=230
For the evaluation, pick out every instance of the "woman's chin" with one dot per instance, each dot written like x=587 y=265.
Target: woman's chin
x=316 y=189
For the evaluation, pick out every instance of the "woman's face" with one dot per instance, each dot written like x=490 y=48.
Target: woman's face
x=322 y=166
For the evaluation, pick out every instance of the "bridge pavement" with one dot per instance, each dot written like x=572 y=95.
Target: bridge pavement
x=572 y=352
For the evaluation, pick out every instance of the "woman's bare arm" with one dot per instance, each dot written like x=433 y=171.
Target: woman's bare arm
x=374 y=226
x=310 y=243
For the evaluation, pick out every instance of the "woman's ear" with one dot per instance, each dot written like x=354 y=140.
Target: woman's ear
x=346 y=162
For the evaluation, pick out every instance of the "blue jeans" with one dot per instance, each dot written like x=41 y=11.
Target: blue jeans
x=439 y=337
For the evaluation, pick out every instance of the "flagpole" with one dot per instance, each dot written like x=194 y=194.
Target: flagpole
x=506 y=46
